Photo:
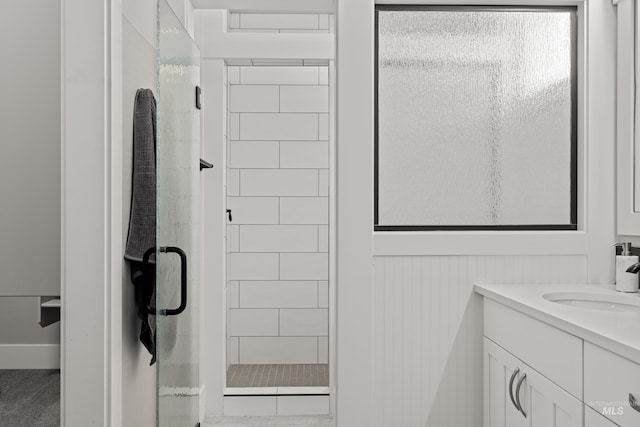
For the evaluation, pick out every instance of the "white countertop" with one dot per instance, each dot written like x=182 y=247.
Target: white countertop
x=616 y=331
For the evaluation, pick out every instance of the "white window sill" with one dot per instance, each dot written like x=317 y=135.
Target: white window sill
x=390 y=243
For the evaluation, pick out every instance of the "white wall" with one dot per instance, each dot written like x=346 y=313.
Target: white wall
x=87 y=215
x=29 y=171
x=138 y=71
x=409 y=327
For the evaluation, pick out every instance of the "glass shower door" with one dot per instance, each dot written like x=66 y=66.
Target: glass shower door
x=178 y=224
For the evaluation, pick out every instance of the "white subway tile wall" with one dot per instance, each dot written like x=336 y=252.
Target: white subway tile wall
x=304 y=210
x=278 y=182
x=276 y=349
x=254 y=99
x=323 y=238
x=301 y=266
x=233 y=238
x=303 y=321
x=323 y=127
x=253 y=322
x=323 y=182
x=233 y=294
x=280 y=22
x=323 y=349
x=280 y=294
x=252 y=154
x=233 y=350
x=303 y=99
x=233 y=75
x=279 y=238
x=248 y=266
x=298 y=154
x=323 y=294
x=279 y=75
x=277 y=190
x=279 y=126
x=233 y=127
x=254 y=210
x=233 y=182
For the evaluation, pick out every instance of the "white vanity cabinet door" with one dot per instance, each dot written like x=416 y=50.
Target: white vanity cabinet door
x=545 y=404
x=499 y=366
x=594 y=419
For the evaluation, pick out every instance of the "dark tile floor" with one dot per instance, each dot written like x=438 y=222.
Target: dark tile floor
x=285 y=375
x=29 y=398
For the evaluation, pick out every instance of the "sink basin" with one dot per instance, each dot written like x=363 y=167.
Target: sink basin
x=596 y=301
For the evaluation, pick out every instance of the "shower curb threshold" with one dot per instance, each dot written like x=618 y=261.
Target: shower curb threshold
x=276 y=391
x=272 y=421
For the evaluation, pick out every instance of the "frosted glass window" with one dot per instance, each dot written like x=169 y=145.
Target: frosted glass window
x=475 y=118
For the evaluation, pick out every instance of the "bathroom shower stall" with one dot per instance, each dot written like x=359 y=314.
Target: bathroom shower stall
x=278 y=142
x=277 y=225
x=264 y=283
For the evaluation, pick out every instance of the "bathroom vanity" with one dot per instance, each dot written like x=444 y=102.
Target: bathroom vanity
x=560 y=355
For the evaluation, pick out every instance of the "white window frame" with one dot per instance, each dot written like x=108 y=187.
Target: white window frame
x=628 y=218
x=571 y=224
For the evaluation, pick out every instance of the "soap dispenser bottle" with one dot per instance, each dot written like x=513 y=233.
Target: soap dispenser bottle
x=626 y=282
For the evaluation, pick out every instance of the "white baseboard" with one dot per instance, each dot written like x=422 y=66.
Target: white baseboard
x=29 y=356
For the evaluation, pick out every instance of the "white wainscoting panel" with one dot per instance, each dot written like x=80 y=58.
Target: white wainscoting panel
x=428 y=332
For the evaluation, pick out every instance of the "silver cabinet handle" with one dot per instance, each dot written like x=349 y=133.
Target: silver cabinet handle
x=634 y=403
x=518 y=394
x=513 y=376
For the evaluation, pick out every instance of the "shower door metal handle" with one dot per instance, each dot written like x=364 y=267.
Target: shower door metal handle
x=183 y=280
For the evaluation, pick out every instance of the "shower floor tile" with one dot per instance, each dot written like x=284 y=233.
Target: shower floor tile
x=283 y=375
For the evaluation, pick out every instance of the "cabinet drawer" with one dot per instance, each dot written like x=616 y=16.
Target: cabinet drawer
x=554 y=353
x=608 y=380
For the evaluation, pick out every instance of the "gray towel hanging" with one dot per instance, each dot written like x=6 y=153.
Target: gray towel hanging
x=142 y=221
